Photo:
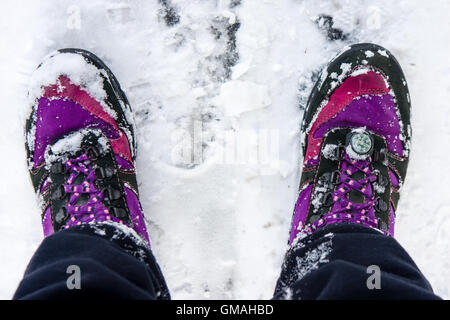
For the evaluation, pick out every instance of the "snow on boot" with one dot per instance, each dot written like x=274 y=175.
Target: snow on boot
x=356 y=138
x=80 y=145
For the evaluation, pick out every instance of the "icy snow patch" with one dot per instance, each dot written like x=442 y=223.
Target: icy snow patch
x=383 y=53
x=124 y=231
x=318 y=195
x=314 y=258
x=238 y=97
x=71 y=144
x=240 y=69
x=329 y=151
x=345 y=68
x=369 y=54
x=378 y=188
x=360 y=71
x=77 y=69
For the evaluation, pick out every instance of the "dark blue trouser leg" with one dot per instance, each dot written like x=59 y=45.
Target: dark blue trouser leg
x=333 y=263
x=330 y=264
x=111 y=265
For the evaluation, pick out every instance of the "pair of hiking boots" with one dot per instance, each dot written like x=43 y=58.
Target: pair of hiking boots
x=356 y=135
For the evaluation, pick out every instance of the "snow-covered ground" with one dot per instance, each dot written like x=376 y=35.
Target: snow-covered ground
x=218 y=88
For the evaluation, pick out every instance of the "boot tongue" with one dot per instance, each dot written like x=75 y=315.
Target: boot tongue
x=355 y=196
x=74 y=144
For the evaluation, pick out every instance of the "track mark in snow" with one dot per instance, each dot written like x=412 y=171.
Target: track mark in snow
x=235 y=3
x=326 y=23
x=169 y=13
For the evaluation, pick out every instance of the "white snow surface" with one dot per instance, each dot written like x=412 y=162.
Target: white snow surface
x=219 y=228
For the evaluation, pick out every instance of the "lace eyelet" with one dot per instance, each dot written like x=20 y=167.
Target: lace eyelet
x=326 y=177
x=61 y=216
x=112 y=194
x=381 y=156
x=58 y=168
x=93 y=152
x=382 y=226
x=381 y=205
x=103 y=173
x=118 y=212
x=314 y=218
x=335 y=177
x=338 y=152
x=328 y=200
x=59 y=193
x=382 y=180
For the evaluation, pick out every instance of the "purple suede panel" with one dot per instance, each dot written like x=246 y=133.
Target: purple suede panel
x=45 y=185
x=122 y=163
x=312 y=162
x=58 y=117
x=394 y=179
x=47 y=223
x=136 y=214
x=300 y=212
x=376 y=113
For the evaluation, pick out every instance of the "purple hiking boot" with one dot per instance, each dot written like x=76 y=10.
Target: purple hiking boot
x=80 y=145
x=356 y=139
